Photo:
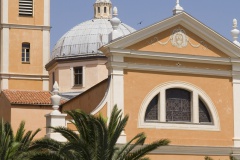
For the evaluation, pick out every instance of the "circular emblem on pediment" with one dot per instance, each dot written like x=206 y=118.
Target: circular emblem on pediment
x=179 y=38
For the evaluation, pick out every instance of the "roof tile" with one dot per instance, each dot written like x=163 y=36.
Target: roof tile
x=34 y=97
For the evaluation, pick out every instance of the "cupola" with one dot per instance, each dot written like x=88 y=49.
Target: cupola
x=103 y=9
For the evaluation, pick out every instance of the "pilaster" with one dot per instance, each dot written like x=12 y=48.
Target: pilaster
x=236 y=105
x=117 y=89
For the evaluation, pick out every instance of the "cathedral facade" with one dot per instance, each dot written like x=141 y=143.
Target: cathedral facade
x=176 y=79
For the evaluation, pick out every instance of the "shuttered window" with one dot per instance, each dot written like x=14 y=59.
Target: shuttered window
x=25 y=7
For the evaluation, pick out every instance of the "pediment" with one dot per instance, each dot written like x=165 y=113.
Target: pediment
x=178 y=34
x=178 y=39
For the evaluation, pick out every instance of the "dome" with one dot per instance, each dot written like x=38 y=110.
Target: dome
x=86 y=38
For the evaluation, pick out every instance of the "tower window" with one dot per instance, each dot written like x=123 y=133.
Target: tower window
x=25 y=7
x=25 y=52
x=78 y=75
x=98 y=9
x=105 y=9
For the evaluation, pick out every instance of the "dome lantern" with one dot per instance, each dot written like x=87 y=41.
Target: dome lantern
x=103 y=9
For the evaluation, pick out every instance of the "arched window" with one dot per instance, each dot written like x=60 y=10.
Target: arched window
x=178 y=105
x=152 y=109
x=105 y=9
x=25 y=52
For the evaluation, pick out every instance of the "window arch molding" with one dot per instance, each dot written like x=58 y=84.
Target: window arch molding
x=194 y=125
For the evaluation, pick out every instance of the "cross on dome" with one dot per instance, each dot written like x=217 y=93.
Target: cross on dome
x=177 y=9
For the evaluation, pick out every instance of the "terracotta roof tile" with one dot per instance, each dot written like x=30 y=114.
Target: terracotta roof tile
x=29 y=97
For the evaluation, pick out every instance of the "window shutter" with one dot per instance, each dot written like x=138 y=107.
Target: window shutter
x=26 y=7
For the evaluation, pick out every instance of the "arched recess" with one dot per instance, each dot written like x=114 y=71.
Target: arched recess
x=203 y=113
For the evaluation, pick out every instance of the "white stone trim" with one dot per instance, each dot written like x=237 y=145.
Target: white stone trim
x=195 y=150
x=24 y=76
x=46 y=12
x=21 y=26
x=173 y=56
x=4 y=9
x=172 y=69
x=105 y=101
x=46 y=49
x=215 y=126
x=4 y=84
x=5 y=50
x=46 y=84
x=236 y=108
x=186 y=21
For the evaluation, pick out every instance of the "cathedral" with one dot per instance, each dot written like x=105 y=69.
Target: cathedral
x=176 y=79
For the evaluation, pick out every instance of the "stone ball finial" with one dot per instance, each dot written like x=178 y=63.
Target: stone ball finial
x=115 y=21
x=55 y=98
x=234 y=23
x=177 y=9
x=235 y=33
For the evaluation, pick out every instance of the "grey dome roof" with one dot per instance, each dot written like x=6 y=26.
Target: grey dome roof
x=86 y=38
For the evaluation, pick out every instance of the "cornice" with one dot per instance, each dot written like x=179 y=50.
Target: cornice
x=172 y=56
x=171 y=69
x=187 y=21
x=32 y=27
x=23 y=76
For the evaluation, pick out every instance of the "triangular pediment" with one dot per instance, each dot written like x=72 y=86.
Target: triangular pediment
x=178 y=34
x=178 y=39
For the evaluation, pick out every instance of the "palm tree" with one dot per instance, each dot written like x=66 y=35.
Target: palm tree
x=14 y=147
x=94 y=140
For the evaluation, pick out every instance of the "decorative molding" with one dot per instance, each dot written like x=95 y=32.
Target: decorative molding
x=24 y=76
x=173 y=56
x=187 y=22
x=176 y=125
x=31 y=27
x=171 y=69
x=179 y=39
x=195 y=150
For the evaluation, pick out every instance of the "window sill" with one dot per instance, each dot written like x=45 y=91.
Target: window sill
x=179 y=126
x=26 y=16
x=25 y=62
x=77 y=86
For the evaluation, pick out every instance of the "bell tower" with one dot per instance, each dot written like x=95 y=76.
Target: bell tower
x=25 y=44
x=103 y=9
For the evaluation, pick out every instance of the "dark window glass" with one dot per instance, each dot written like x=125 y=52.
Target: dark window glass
x=152 y=109
x=98 y=9
x=204 y=115
x=25 y=52
x=105 y=9
x=178 y=105
x=78 y=76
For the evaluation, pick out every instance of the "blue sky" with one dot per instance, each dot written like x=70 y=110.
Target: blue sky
x=216 y=14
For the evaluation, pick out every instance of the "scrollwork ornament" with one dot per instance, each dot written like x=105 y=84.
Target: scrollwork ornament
x=179 y=38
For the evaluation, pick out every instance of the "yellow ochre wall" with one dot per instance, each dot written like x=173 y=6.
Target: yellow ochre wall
x=35 y=38
x=25 y=84
x=151 y=44
x=36 y=19
x=137 y=84
x=34 y=116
